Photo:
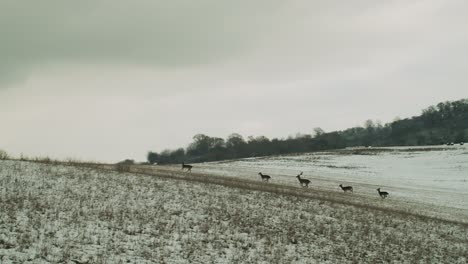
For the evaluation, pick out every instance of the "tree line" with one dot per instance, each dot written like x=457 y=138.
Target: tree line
x=440 y=124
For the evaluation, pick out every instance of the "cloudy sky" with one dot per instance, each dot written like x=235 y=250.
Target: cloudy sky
x=111 y=79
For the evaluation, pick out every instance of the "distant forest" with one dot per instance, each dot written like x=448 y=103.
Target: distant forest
x=447 y=122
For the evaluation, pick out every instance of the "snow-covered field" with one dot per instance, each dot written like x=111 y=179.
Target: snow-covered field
x=431 y=175
x=65 y=214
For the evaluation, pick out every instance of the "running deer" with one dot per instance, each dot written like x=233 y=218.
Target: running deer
x=346 y=188
x=303 y=182
x=382 y=194
x=188 y=167
x=264 y=177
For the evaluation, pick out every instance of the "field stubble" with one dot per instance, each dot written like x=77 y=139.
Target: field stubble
x=67 y=214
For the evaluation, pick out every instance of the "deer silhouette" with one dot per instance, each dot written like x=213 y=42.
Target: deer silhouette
x=186 y=166
x=264 y=177
x=383 y=195
x=303 y=182
x=346 y=188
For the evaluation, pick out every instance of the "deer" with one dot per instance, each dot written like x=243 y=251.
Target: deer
x=383 y=195
x=188 y=167
x=346 y=188
x=303 y=182
x=264 y=177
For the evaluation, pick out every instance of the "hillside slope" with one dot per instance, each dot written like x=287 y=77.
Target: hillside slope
x=63 y=213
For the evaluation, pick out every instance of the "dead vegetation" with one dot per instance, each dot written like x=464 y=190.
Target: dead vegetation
x=66 y=214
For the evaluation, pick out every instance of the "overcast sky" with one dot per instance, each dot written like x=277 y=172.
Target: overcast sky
x=112 y=79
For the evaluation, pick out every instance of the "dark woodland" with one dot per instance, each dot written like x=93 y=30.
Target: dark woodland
x=444 y=123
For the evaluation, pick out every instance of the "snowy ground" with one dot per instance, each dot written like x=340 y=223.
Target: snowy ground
x=431 y=175
x=58 y=214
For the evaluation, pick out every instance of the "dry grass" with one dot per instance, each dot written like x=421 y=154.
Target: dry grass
x=60 y=214
x=392 y=206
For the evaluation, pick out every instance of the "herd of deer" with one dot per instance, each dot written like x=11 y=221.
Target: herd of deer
x=302 y=182
x=305 y=183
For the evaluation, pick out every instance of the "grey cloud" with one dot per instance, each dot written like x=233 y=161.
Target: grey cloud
x=168 y=33
x=97 y=72
x=260 y=39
